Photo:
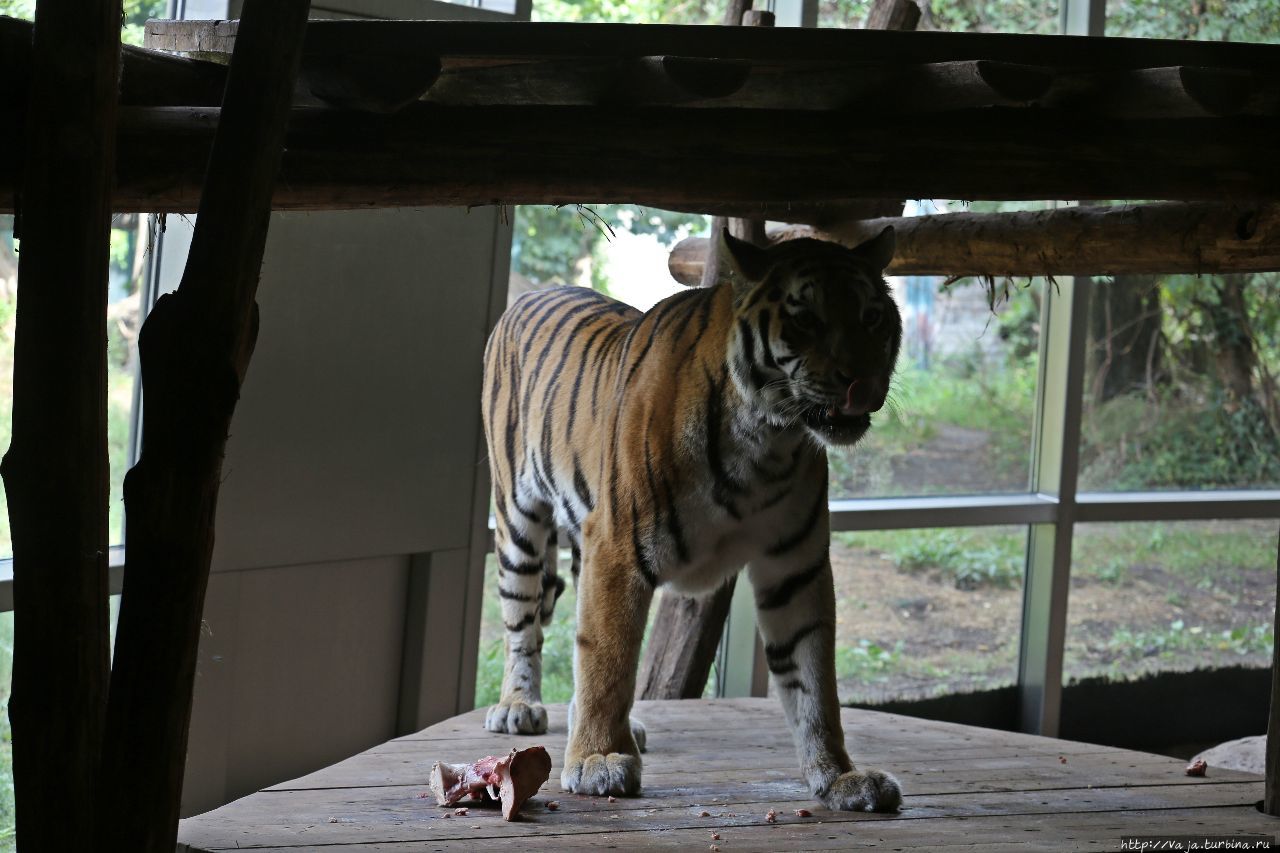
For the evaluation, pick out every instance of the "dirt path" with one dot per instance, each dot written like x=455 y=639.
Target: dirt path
x=934 y=638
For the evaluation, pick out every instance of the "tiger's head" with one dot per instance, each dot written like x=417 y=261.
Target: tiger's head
x=817 y=332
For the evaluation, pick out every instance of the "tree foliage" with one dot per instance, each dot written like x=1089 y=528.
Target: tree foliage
x=556 y=245
x=136 y=13
x=1202 y=20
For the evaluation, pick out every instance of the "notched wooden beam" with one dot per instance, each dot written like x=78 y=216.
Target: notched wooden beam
x=1180 y=91
x=678 y=79
x=370 y=82
x=962 y=85
x=551 y=82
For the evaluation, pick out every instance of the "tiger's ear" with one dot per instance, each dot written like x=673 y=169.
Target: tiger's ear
x=747 y=261
x=878 y=251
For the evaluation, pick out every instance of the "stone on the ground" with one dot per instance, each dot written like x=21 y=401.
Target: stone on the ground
x=1248 y=754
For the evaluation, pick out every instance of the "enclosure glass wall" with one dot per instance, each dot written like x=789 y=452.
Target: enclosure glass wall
x=1170 y=597
x=961 y=408
x=129 y=240
x=921 y=613
x=997 y=16
x=1180 y=388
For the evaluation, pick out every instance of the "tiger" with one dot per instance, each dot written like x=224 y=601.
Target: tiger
x=674 y=446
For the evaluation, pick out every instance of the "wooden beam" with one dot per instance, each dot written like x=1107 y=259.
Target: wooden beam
x=1127 y=239
x=195 y=348
x=695 y=159
x=56 y=469
x=476 y=39
x=792 y=71
x=1180 y=91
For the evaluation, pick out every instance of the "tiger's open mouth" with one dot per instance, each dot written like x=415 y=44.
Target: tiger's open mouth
x=834 y=427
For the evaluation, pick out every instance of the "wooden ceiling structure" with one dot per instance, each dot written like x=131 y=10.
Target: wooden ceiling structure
x=807 y=126
x=787 y=124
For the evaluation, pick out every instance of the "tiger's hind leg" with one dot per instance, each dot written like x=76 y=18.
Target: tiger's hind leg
x=528 y=587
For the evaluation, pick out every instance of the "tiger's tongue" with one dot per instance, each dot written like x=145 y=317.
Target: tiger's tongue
x=860 y=398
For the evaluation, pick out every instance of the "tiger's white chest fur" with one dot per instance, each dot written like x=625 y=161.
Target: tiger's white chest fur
x=773 y=483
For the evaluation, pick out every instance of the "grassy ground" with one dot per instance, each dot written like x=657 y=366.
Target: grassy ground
x=922 y=613
x=926 y=612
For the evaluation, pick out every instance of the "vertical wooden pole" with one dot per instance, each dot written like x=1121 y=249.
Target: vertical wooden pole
x=1271 y=793
x=195 y=349
x=55 y=472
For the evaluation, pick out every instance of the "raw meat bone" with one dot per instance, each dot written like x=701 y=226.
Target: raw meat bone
x=511 y=779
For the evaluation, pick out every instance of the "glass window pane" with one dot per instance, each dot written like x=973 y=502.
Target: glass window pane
x=962 y=401
x=993 y=16
x=7 y=808
x=921 y=613
x=129 y=242
x=1170 y=597
x=1175 y=19
x=1180 y=386
x=8 y=309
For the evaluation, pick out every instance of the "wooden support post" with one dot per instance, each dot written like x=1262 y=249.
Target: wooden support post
x=1271 y=791
x=682 y=645
x=195 y=349
x=56 y=470
x=893 y=15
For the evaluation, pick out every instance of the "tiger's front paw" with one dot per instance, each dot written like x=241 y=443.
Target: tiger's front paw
x=512 y=716
x=615 y=773
x=863 y=791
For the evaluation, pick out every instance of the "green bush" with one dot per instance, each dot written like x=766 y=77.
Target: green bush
x=955 y=555
x=967 y=557
x=865 y=660
x=1181 y=638
x=1177 y=441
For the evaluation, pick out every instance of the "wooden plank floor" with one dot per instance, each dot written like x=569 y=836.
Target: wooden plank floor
x=965 y=787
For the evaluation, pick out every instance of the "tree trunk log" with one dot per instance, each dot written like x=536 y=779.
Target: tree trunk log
x=1125 y=351
x=900 y=15
x=682 y=645
x=693 y=159
x=1123 y=240
x=56 y=470
x=195 y=349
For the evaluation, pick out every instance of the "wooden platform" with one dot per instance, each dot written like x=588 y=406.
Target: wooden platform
x=965 y=787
